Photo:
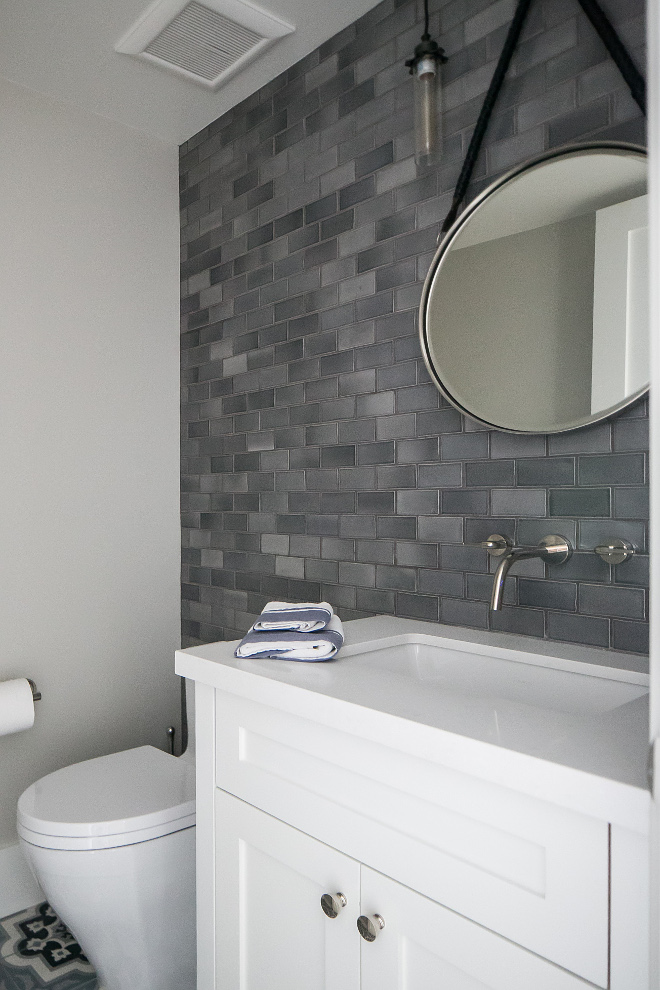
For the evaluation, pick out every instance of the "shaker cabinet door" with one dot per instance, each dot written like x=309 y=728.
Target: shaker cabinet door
x=424 y=946
x=271 y=930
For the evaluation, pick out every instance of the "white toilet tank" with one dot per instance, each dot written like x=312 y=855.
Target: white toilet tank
x=112 y=843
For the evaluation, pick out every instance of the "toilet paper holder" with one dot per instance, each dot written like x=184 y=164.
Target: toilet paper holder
x=36 y=694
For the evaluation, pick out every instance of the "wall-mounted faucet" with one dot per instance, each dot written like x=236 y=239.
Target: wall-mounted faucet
x=554 y=549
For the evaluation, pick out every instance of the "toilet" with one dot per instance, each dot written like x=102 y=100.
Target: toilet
x=111 y=841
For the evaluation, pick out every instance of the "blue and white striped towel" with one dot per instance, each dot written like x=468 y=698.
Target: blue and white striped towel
x=320 y=645
x=283 y=616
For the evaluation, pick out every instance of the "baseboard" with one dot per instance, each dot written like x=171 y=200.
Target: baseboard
x=18 y=888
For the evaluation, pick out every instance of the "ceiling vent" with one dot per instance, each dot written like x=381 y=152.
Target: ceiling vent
x=206 y=43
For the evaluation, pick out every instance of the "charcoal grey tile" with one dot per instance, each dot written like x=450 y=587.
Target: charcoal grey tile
x=377 y=502
x=396 y=476
x=525 y=621
x=464 y=502
x=416 y=503
x=438 y=421
x=464 y=446
x=362 y=526
x=615 y=469
x=357 y=192
x=518 y=501
x=631 y=434
x=546 y=471
x=627 y=603
x=590 y=440
x=489 y=473
x=396 y=527
x=596 y=531
x=440 y=529
x=548 y=594
x=578 y=629
x=462 y=613
x=631 y=637
x=376 y=453
x=339 y=456
x=516 y=445
x=376 y=601
x=272 y=307
x=439 y=475
x=634 y=571
x=579 y=502
x=414 y=451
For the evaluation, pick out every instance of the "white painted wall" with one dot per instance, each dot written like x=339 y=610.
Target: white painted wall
x=89 y=434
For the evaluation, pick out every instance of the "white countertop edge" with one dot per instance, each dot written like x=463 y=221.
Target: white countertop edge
x=586 y=793
x=629 y=667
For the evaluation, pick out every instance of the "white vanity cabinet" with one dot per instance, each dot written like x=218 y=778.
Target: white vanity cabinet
x=272 y=932
x=486 y=802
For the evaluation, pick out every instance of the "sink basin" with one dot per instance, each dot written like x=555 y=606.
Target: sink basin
x=459 y=676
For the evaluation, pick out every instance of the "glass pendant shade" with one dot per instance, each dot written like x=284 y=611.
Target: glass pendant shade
x=426 y=100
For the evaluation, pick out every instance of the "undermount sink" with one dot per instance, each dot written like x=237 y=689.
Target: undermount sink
x=459 y=677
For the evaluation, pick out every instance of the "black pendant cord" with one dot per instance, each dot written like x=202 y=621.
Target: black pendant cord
x=615 y=47
x=489 y=102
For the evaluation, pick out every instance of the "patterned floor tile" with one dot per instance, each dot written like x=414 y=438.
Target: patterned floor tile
x=38 y=951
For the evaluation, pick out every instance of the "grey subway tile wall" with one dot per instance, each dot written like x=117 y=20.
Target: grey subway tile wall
x=319 y=462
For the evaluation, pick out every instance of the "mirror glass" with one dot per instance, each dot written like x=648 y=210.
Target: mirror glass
x=534 y=314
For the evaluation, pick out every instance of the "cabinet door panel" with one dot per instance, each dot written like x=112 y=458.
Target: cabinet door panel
x=271 y=930
x=424 y=946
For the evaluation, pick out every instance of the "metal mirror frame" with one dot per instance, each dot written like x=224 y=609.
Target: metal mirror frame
x=444 y=248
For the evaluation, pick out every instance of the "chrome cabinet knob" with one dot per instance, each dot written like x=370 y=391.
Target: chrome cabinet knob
x=332 y=904
x=369 y=927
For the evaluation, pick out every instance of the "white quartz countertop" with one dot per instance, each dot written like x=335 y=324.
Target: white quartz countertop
x=562 y=722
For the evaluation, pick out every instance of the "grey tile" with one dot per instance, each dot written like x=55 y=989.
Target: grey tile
x=464 y=446
x=631 y=637
x=579 y=502
x=463 y=502
x=634 y=571
x=417 y=607
x=596 y=531
x=438 y=582
x=416 y=503
x=627 y=603
x=462 y=613
x=397 y=527
x=302 y=364
x=546 y=471
x=525 y=621
x=590 y=440
x=518 y=501
x=548 y=594
x=578 y=629
x=631 y=434
x=516 y=445
x=616 y=469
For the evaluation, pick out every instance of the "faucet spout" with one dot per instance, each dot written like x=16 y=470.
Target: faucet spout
x=503 y=568
x=554 y=549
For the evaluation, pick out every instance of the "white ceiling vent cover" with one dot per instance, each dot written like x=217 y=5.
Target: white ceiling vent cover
x=203 y=42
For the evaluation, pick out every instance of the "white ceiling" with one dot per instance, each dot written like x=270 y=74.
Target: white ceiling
x=64 y=49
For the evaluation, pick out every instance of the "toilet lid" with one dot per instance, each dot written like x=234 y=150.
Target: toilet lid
x=109 y=801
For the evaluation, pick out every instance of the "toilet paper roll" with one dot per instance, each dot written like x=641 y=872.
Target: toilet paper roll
x=16 y=706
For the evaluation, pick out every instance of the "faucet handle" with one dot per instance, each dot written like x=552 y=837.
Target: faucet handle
x=496 y=545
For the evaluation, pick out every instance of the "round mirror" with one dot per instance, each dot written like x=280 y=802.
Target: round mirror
x=534 y=313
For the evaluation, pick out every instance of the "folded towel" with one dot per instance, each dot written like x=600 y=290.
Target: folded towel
x=320 y=645
x=306 y=617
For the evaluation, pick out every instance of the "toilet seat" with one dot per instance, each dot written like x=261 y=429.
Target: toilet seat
x=110 y=801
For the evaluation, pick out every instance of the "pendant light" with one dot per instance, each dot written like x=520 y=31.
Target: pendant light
x=425 y=68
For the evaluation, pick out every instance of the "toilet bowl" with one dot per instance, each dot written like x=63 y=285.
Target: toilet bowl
x=112 y=843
